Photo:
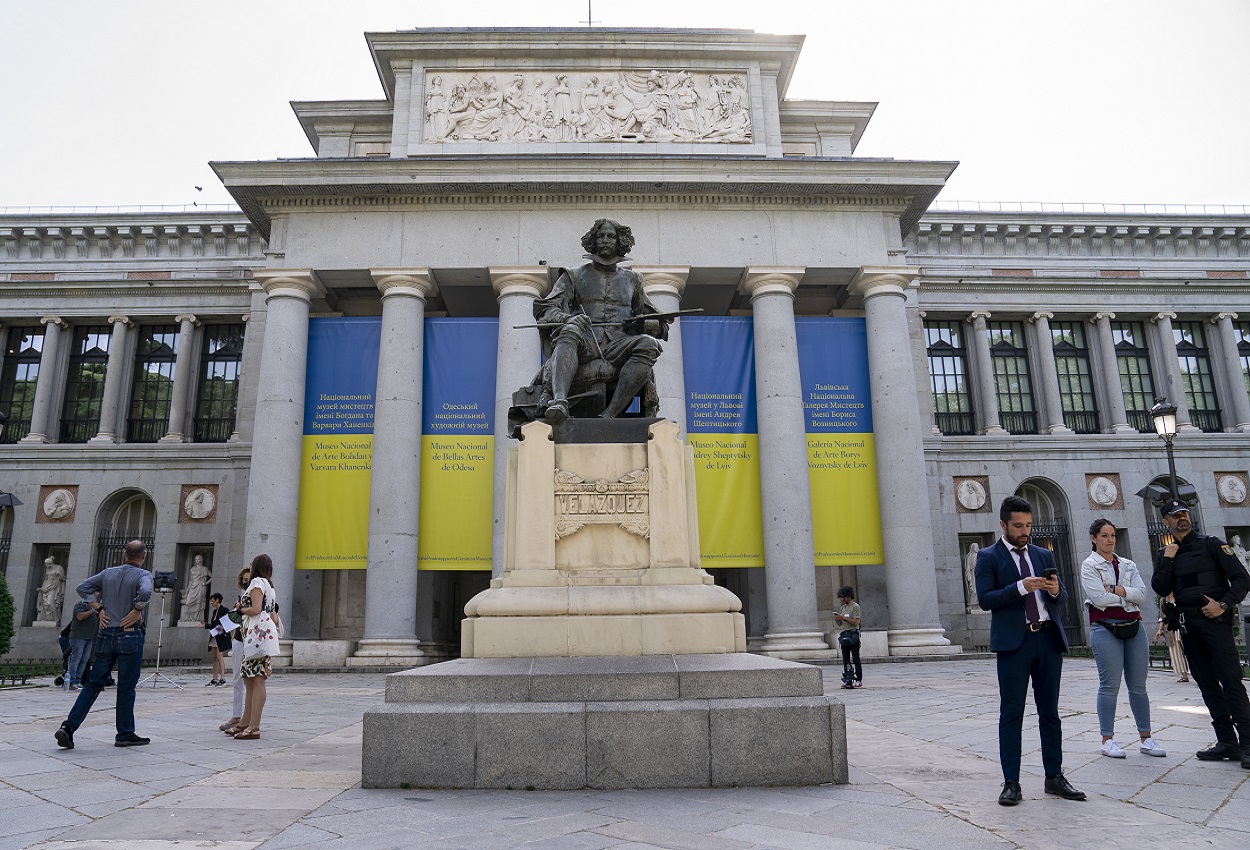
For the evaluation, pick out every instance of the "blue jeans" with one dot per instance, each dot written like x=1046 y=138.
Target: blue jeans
x=1127 y=659
x=79 y=652
x=114 y=647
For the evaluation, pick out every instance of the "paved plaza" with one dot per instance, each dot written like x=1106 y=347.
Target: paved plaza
x=924 y=774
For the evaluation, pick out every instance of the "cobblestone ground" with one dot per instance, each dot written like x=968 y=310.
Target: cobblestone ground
x=924 y=774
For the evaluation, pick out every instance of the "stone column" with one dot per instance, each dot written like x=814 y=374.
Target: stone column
x=987 y=390
x=390 y=637
x=1051 y=397
x=1109 y=366
x=115 y=377
x=182 y=379
x=789 y=559
x=518 y=355
x=906 y=530
x=49 y=360
x=1239 y=409
x=277 y=444
x=664 y=286
x=1172 y=386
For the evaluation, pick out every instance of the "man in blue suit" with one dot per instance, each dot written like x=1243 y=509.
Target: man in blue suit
x=1020 y=585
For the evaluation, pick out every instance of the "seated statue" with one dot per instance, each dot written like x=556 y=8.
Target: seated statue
x=598 y=344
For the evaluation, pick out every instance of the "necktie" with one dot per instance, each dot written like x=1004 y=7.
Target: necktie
x=1030 y=597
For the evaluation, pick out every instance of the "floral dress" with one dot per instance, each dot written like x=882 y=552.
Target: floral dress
x=257 y=665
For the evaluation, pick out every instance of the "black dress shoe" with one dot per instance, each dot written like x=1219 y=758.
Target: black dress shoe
x=65 y=736
x=1219 y=751
x=1011 y=794
x=131 y=740
x=1245 y=758
x=1061 y=787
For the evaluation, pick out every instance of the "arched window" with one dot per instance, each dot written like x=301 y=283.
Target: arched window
x=1051 y=531
x=125 y=516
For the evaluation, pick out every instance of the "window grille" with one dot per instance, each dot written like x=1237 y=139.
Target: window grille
x=948 y=377
x=155 y=360
x=18 y=380
x=218 y=395
x=1076 y=386
x=1013 y=384
x=1133 y=359
x=84 y=387
x=1241 y=331
x=1195 y=363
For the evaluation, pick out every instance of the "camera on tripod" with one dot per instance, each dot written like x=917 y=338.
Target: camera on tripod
x=164 y=581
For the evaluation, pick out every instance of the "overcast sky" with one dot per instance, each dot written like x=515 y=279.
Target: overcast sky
x=1112 y=101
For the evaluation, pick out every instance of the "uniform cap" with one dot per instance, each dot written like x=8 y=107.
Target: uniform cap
x=1173 y=506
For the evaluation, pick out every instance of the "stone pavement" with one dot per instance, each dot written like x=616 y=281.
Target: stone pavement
x=924 y=774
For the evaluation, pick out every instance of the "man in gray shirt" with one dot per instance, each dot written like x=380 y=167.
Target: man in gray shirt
x=124 y=593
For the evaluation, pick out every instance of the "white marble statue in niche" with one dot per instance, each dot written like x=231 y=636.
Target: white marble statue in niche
x=606 y=106
x=194 y=599
x=51 y=592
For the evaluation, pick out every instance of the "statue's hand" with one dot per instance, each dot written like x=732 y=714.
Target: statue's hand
x=581 y=321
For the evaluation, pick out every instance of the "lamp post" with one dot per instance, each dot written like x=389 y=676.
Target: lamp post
x=1164 y=415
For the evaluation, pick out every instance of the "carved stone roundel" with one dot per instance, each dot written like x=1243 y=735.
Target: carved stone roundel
x=1233 y=489
x=199 y=503
x=58 y=504
x=971 y=494
x=1102 y=491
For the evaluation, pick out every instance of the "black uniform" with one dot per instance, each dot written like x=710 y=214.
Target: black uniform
x=1204 y=566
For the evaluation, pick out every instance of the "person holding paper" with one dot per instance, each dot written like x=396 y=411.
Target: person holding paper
x=218 y=639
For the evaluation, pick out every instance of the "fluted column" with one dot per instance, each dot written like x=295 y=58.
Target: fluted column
x=277 y=443
x=115 y=377
x=664 y=286
x=1173 y=388
x=789 y=559
x=390 y=636
x=1236 y=384
x=518 y=355
x=906 y=530
x=987 y=390
x=182 y=379
x=45 y=383
x=1051 y=397
x=1109 y=366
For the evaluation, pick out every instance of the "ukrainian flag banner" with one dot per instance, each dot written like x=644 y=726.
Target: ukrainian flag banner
x=841 y=453
x=457 y=444
x=340 y=383
x=719 y=357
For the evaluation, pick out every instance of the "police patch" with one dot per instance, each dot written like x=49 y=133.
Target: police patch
x=1228 y=550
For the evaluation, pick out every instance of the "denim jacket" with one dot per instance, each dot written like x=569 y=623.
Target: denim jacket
x=1097 y=572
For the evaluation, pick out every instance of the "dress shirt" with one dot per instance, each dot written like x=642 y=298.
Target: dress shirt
x=1042 y=613
x=121 y=588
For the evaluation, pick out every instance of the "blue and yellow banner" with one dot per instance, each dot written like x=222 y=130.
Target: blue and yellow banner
x=841 y=453
x=458 y=444
x=342 y=378
x=719 y=357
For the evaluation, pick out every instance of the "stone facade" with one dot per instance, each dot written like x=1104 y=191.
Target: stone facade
x=395 y=218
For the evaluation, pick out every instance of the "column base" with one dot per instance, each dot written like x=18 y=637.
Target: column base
x=994 y=431
x=172 y=438
x=102 y=440
x=797 y=646
x=1060 y=430
x=1187 y=428
x=922 y=642
x=1123 y=428
x=394 y=652
x=34 y=438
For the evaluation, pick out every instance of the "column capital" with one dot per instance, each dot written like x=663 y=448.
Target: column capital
x=1101 y=316
x=1159 y=317
x=883 y=280
x=520 y=280
x=1040 y=315
x=1219 y=317
x=54 y=320
x=121 y=320
x=187 y=317
x=979 y=314
x=292 y=283
x=771 y=280
x=664 y=280
x=413 y=282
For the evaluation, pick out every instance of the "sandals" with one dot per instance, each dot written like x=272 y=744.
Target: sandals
x=229 y=724
x=247 y=735
x=234 y=730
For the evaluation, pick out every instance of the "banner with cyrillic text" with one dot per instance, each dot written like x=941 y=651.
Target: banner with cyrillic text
x=841 y=452
x=458 y=444
x=340 y=383
x=719 y=359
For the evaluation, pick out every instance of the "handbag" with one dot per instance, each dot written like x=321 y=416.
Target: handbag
x=261 y=637
x=849 y=638
x=1123 y=629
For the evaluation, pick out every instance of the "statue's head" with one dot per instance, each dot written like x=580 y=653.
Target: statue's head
x=608 y=238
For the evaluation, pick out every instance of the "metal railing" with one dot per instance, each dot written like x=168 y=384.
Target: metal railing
x=146 y=430
x=79 y=430
x=1082 y=422
x=121 y=209
x=955 y=424
x=1085 y=207
x=1018 y=423
x=1208 y=420
x=15 y=430
x=214 y=429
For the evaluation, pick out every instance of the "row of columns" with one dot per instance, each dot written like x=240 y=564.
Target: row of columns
x=116 y=378
x=1170 y=383
x=391 y=596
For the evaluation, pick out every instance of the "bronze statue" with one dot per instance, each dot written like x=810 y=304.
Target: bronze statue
x=600 y=336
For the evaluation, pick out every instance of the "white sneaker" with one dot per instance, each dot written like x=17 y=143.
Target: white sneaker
x=1150 y=748
x=1112 y=749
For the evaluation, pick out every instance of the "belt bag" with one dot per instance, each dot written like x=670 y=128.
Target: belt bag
x=1123 y=629
x=849 y=638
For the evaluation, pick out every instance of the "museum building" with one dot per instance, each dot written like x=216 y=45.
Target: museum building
x=324 y=375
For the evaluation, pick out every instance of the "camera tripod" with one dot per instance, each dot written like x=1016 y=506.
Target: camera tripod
x=156 y=675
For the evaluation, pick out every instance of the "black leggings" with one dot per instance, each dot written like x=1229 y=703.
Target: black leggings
x=850 y=654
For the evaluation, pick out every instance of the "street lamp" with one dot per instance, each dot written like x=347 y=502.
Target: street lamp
x=1164 y=415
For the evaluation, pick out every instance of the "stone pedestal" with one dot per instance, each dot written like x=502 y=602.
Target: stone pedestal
x=602 y=551
x=689 y=721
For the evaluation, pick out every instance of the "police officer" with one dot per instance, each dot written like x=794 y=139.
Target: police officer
x=1208 y=581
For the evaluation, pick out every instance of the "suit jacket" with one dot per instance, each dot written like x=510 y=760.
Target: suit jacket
x=996 y=578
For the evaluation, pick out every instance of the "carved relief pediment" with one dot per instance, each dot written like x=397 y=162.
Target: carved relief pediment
x=586 y=106
x=623 y=502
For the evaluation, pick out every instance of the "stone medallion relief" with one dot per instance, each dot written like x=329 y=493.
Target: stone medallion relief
x=57 y=503
x=586 y=106
x=199 y=503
